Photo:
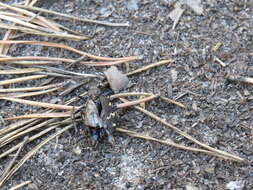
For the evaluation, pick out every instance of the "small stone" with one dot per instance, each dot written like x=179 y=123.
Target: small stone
x=194 y=106
x=191 y=187
x=246 y=92
x=77 y=150
x=117 y=80
x=235 y=185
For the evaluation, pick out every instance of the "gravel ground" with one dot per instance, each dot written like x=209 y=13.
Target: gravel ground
x=219 y=112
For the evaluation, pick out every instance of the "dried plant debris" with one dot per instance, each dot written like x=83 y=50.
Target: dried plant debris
x=195 y=6
x=24 y=81
x=240 y=79
x=92 y=118
x=117 y=80
x=176 y=14
x=28 y=22
x=178 y=11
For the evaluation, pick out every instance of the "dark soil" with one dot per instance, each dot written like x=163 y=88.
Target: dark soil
x=219 y=111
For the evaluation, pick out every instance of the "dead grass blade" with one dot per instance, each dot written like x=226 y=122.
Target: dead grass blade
x=168 y=143
x=10 y=137
x=23 y=23
x=4 y=48
x=73 y=17
x=61 y=46
x=220 y=152
x=37 y=32
x=19 y=71
x=18 y=186
x=22 y=95
x=240 y=79
x=172 y=102
x=21 y=79
x=28 y=89
x=32 y=138
x=16 y=125
x=4 y=176
x=132 y=103
x=13 y=60
x=41 y=104
x=34 y=58
x=32 y=152
x=57 y=70
x=41 y=115
x=109 y=63
x=149 y=67
x=147 y=94
x=27 y=19
x=32 y=15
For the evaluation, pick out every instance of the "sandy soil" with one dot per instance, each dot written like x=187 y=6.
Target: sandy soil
x=219 y=112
